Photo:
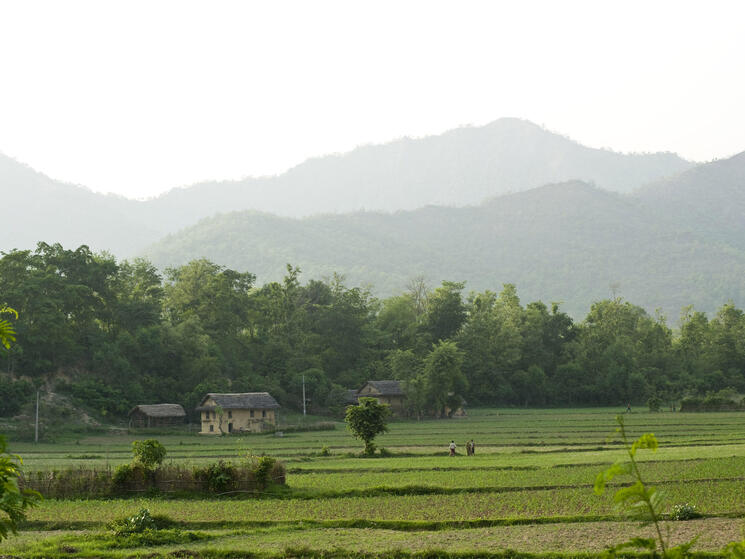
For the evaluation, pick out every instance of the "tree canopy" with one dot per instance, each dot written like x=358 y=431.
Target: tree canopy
x=115 y=334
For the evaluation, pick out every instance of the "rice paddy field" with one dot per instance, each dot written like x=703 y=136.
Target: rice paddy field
x=528 y=491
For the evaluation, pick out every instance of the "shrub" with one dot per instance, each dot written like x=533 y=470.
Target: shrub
x=325 y=451
x=219 y=477
x=685 y=512
x=127 y=475
x=150 y=453
x=654 y=403
x=135 y=524
x=263 y=468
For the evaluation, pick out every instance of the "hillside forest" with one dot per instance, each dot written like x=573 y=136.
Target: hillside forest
x=114 y=334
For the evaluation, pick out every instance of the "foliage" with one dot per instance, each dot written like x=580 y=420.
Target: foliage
x=654 y=403
x=685 y=511
x=13 y=500
x=367 y=420
x=219 y=476
x=7 y=333
x=13 y=394
x=121 y=334
x=723 y=400
x=443 y=379
x=639 y=500
x=149 y=453
x=135 y=524
x=263 y=469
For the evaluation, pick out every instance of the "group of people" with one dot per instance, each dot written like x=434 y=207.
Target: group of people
x=470 y=448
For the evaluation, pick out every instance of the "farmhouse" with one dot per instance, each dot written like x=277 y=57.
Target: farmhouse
x=156 y=415
x=386 y=392
x=229 y=413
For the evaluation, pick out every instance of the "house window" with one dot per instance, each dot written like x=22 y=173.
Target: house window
x=251 y=413
x=212 y=428
x=230 y=414
x=206 y=415
x=263 y=413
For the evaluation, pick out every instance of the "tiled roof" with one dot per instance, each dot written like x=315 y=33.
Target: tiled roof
x=160 y=410
x=386 y=387
x=240 y=401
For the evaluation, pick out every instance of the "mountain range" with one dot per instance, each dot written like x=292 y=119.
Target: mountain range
x=507 y=202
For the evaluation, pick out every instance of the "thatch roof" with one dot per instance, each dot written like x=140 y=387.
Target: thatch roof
x=240 y=401
x=160 y=410
x=385 y=387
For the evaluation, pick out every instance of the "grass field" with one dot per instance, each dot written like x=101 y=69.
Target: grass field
x=528 y=490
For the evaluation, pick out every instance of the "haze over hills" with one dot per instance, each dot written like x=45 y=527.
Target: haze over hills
x=460 y=167
x=512 y=209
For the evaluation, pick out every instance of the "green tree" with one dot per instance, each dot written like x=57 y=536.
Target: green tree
x=150 y=453
x=444 y=381
x=367 y=420
x=446 y=312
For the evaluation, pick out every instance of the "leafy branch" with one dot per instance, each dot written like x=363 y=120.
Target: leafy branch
x=638 y=500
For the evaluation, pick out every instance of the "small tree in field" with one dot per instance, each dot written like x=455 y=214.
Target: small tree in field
x=367 y=420
x=150 y=453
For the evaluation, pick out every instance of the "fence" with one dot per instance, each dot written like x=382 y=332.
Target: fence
x=215 y=479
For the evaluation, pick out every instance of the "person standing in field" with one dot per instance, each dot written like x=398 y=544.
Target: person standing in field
x=452 y=448
x=472 y=446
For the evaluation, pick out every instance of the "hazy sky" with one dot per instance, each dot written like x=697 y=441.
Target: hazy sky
x=138 y=97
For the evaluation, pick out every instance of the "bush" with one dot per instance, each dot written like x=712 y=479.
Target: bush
x=263 y=468
x=219 y=477
x=325 y=451
x=150 y=453
x=718 y=401
x=135 y=524
x=685 y=512
x=654 y=403
x=128 y=474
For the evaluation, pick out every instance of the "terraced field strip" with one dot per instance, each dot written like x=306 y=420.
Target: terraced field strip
x=654 y=472
x=713 y=498
x=292 y=539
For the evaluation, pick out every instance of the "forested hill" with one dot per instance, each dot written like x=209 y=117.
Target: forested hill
x=569 y=242
x=458 y=168
x=708 y=200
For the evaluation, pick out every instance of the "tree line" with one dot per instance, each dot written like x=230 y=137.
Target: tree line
x=116 y=334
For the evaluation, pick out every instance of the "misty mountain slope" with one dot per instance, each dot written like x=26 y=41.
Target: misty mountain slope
x=565 y=242
x=708 y=200
x=37 y=208
x=460 y=167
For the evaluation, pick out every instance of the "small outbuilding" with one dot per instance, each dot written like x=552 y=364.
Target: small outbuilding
x=230 y=413
x=385 y=392
x=156 y=415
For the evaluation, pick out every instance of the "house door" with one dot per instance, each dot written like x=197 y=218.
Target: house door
x=230 y=427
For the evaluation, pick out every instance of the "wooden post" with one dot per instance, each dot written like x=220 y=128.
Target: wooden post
x=36 y=425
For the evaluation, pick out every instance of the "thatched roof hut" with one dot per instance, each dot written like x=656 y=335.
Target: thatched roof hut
x=156 y=415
